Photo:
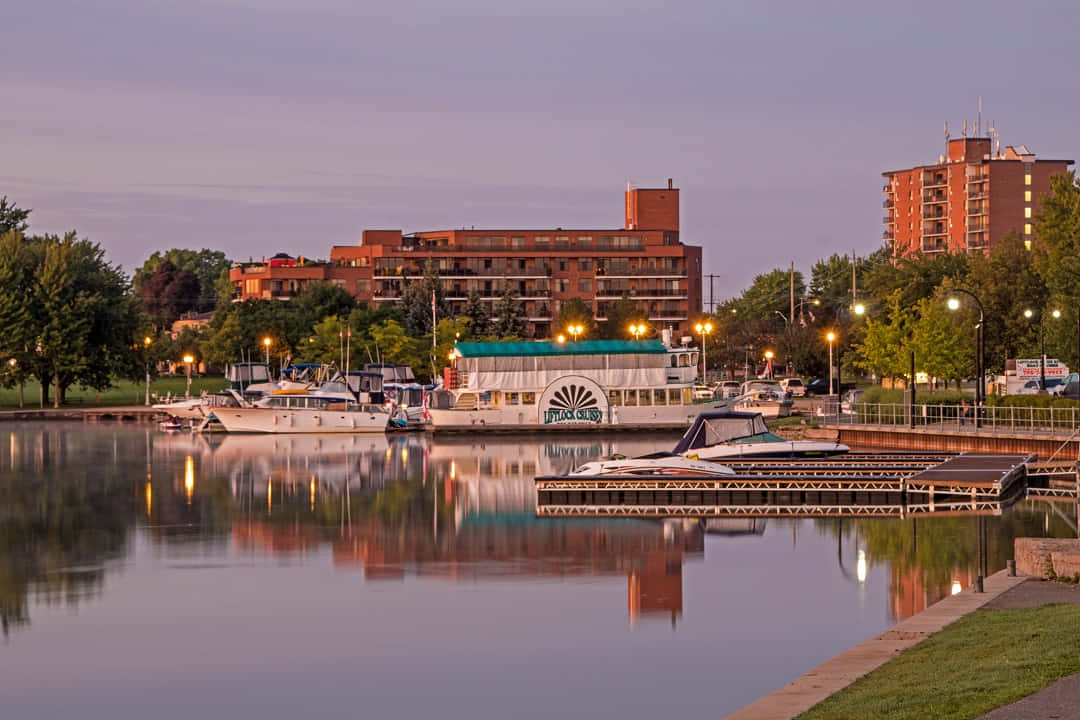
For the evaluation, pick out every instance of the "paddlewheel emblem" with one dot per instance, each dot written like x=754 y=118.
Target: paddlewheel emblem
x=573 y=400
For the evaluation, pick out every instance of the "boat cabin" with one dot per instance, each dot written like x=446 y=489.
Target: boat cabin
x=724 y=426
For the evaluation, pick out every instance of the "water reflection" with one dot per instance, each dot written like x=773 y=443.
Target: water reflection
x=400 y=507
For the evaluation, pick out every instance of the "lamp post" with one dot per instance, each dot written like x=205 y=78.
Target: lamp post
x=703 y=329
x=954 y=304
x=146 y=344
x=1042 y=346
x=768 y=362
x=188 y=359
x=266 y=344
x=831 y=337
x=575 y=331
x=637 y=330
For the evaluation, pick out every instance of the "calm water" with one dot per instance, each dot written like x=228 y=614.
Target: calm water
x=172 y=576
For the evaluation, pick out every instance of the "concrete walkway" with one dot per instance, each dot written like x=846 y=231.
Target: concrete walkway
x=839 y=672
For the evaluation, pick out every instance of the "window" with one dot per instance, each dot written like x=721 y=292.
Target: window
x=528 y=398
x=659 y=397
x=1027 y=212
x=644 y=397
x=1027 y=243
x=363 y=286
x=1027 y=228
x=562 y=241
x=1027 y=196
x=542 y=241
x=615 y=397
x=631 y=398
x=584 y=241
x=562 y=285
x=687 y=396
x=513 y=398
x=563 y=264
x=1027 y=179
x=673 y=397
x=584 y=285
x=517 y=243
x=584 y=265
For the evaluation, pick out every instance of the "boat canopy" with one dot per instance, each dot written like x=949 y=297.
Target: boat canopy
x=720 y=426
x=549 y=347
x=247 y=373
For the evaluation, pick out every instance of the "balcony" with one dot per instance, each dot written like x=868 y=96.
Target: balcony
x=933 y=246
x=935 y=180
x=977 y=209
x=978 y=195
x=934 y=198
x=887 y=203
x=887 y=235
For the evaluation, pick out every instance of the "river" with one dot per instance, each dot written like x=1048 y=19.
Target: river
x=144 y=574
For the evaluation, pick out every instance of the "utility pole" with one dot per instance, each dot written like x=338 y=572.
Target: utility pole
x=791 y=291
x=853 y=297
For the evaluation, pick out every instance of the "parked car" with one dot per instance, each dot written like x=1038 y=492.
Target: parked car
x=703 y=392
x=727 y=389
x=820 y=386
x=1059 y=388
x=794 y=386
x=1032 y=387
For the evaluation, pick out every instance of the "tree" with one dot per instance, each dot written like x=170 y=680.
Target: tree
x=16 y=297
x=477 y=313
x=321 y=300
x=575 y=311
x=885 y=340
x=942 y=347
x=417 y=302
x=509 y=320
x=769 y=294
x=168 y=293
x=12 y=217
x=620 y=315
x=207 y=265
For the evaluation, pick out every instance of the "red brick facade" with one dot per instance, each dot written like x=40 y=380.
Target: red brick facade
x=969 y=200
x=644 y=260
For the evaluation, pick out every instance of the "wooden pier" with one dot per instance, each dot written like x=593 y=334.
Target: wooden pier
x=853 y=485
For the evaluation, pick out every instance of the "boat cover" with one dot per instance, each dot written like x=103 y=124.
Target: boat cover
x=720 y=426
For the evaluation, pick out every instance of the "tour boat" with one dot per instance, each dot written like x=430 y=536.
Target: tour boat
x=568 y=386
x=343 y=405
x=723 y=434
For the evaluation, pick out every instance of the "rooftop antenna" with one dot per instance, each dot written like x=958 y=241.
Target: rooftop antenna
x=978 y=123
x=965 y=128
x=946 y=137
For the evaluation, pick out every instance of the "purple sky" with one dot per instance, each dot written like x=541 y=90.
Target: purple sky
x=258 y=126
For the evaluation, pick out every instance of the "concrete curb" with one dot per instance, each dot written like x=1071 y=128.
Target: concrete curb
x=832 y=675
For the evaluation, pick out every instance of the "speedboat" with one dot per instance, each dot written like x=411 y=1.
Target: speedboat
x=663 y=463
x=723 y=434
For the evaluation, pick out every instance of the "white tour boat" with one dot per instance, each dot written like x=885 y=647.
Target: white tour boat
x=568 y=386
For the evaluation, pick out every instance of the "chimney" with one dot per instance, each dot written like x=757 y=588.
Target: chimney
x=669 y=185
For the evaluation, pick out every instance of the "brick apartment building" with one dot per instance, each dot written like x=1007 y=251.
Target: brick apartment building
x=644 y=260
x=971 y=199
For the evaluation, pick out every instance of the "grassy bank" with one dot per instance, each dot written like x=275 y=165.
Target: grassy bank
x=981 y=662
x=123 y=393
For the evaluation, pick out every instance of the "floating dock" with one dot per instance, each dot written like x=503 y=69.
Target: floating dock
x=852 y=485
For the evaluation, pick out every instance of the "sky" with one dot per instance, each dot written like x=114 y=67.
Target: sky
x=260 y=126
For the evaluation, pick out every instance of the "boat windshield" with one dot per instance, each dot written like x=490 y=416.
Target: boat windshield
x=333 y=387
x=721 y=427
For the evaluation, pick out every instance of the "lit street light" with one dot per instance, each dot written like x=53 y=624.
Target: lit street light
x=859 y=309
x=560 y=339
x=188 y=359
x=703 y=329
x=146 y=344
x=638 y=330
x=831 y=337
x=266 y=344
x=954 y=304
x=768 y=362
x=1042 y=346
x=575 y=331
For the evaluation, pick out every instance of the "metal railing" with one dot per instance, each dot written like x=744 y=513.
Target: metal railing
x=1031 y=420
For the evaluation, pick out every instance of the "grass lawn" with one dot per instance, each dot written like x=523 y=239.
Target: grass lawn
x=982 y=661
x=122 y=393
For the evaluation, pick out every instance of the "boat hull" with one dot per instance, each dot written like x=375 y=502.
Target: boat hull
x=774 y=449
x=668 y=417
x=268 y=420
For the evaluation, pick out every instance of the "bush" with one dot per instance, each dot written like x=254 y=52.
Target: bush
x=878 y=394
x=1035 y=401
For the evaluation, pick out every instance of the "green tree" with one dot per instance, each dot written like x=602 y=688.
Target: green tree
x=12 y=217
x=886 y=341
x=509 y=320
x=620 y=315
x=168 y=293
x=769 y=294
x=416 y=301
x=1057 y=234
x=207 y=265
x=477 y=313
x=16 y=298
x=320 y=300
x=943 y=346
x=575 y=311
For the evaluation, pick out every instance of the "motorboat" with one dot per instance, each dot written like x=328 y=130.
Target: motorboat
x=720 y=434
x=662 y=463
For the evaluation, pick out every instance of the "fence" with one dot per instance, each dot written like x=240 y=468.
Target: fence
x=954 y=417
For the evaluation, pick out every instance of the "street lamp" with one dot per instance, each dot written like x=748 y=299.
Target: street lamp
x=146 y=344
x=831 y=337
x=638 y=330
x=768 y=362
x=266 y=344
x=703 y=329
x=1042 y=346
x=560 y=338
x=188 y=359
x=575 y=331
x=954 y=304
x=859 y=309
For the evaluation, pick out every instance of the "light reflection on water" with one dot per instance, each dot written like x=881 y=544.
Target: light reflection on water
x=399 y=576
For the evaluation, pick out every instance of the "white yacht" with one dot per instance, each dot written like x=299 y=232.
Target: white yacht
x=343 y=405
x=567 y=385
x=730 y=434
